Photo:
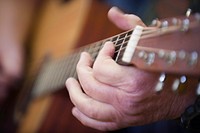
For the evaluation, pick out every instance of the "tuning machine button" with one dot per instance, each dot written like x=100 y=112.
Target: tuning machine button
x=142 y=54
x=160 y=84
x=198 y=89
x=165 y=24
x=197 y=16
x=161 y=53
x=150 y=59
x=193 y=59
x=188 y=12
x=185 y=24
x=175 y=21
x=182 y=54
x=155 y=23
x=179 y=85
x=171 y=58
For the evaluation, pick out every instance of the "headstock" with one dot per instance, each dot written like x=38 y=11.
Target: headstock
x=170 y=46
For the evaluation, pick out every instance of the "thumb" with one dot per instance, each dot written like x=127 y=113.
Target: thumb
x=124 y=21
x=105 y=68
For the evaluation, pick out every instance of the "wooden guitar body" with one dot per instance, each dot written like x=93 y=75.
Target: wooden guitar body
x=61 y=27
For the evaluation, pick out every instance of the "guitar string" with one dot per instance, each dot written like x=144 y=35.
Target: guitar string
x=146 y=33
x=116 y=44
x=152 y=29
x=159 y=31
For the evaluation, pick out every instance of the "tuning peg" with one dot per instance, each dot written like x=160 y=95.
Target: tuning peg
x=188 y=12
x=150 y=59
x=182 y=54
x=198 y=89
x=155 y=23
x=185 y=24
x=165 y=24
x=175 y=21
x=160 y=84
x=197 y=16
x=171 y=59
x=193 y=59
x=179 y=85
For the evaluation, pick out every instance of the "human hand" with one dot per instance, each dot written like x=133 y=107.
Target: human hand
x=109 y=96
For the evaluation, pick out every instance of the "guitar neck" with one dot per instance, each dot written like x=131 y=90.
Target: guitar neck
x=54 y=73
x=173 y=49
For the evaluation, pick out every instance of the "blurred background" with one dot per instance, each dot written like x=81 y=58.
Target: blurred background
x=34 y=33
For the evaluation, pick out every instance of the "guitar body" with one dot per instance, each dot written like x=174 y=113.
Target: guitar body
x=63 y=26
x=60 y=28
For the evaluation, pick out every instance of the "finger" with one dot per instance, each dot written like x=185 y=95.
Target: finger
x=104 y=64
x=85 y=61
x=106 y=70
x=90 y=85
x=100 y=125
x=90 y=107
x=124 y=21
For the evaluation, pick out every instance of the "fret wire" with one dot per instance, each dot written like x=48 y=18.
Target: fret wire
x=67 y=65
x=119 y=42
x=53 y=78
x=73 y=69
x=56 y=76
x=71 y=65
x=66 y=69
x=74 y=63
x=145 y=34
x=45 y=77
x=40 y=83
x=59 y=73
x=94 y=49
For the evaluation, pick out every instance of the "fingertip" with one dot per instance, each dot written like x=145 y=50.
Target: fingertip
x=109 y=45
x=85 y=59
x=77 y=114
x=68 y=82
x=74 y=111
x=108 y=49
x=113 y=11
x=84 y=54
x=122 y=20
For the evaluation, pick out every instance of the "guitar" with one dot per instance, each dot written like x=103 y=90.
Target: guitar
x=61 y=27
x=170 y=46
x=172 y=49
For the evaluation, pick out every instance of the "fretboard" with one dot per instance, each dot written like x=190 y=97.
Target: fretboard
x=53 y=74
x=173 y=49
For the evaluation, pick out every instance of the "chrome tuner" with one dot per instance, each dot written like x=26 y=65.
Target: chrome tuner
x=188 y=12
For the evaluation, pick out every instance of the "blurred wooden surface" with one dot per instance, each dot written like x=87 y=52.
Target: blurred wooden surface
x=62 y=27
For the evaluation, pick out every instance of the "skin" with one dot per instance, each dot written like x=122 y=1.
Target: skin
x=15 y=20
x=109 y=97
